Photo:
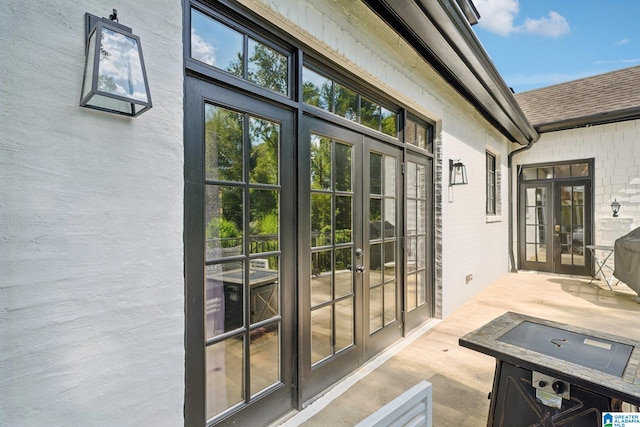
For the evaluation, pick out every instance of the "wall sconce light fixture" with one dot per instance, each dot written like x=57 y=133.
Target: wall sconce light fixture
x=457 y=173
x=115 y=79
x=615 y=207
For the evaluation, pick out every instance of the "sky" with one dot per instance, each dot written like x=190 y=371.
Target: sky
x=539 y=43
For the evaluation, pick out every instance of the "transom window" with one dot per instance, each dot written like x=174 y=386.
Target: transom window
x=220 y=46
x=556 y=171
x=336 y=98
x=418 y=134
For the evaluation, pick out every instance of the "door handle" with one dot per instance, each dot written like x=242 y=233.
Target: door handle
x=556 y=228
x=360 y=268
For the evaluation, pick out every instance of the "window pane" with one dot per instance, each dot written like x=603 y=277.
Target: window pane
x=231 y=277
x=224 y=207
x=375 y=309
x=421 y=288
x=389 y=176
x=421 y=254
x=321 y=334
x=265 y=148
x=389 y=217
x=321 y=214
x=223 y=298
x=580 y=169
x=422 y=215
x=412 y=225
x=264 y=276
x=412 y=254
x=375 y=173
x=416 y=134
x=224 y=375
x=268 y=68
x=320 y=277
x=343 y=167
x=265 y=358
x=375 y=264
x=389 y=261
x=317 y=90
x=343 y=272
x=412 y=180
x=529 y=173
x=369 y=114
x=223 y=144
x=216 y=44
x=375 y=219
x=389 y=302
x=264 y=219
x=320 y=163
x=344 y=324
x=389 y=122
x=343 y=219
x=412 y=289
x=346 y=103
x=562 y=171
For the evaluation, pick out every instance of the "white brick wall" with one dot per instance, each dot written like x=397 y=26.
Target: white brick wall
x=615 y=149
x=91 y=282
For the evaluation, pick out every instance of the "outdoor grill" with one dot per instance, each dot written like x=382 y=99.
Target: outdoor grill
x=552 y=374
x=626 y=256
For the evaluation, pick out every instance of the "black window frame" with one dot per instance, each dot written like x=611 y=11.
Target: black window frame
x=491 y=184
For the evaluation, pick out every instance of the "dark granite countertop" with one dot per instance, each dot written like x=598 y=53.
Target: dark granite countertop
x=626 y=387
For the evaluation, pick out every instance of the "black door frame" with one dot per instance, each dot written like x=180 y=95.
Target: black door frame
x=551 y=215
x=277 y=400
x=312 y=381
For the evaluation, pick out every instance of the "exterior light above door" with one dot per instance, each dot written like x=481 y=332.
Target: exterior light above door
x=115 y=79
x=457 y=173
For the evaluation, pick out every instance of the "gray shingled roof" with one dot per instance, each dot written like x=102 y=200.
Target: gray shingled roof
x=604 y=98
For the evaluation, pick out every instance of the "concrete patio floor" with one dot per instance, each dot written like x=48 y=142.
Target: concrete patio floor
x=462 y=378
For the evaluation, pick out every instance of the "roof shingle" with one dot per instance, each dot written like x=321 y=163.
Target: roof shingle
x=583 y=101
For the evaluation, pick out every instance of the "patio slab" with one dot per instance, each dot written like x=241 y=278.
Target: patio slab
x=462 y=378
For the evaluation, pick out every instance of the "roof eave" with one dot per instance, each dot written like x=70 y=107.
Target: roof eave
x=590 y=120
x=440 y=33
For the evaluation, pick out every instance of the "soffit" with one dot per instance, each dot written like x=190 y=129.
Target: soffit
x=439 y=31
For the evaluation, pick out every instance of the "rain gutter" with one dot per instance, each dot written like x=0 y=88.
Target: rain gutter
x=440 y=32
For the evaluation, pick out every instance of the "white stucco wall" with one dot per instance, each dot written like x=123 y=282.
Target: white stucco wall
x=615 y=149
x=91 y=270
x=349 y=34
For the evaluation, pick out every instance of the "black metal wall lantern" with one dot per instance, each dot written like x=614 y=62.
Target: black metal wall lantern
x=457 y=173
x=615 y=207
x=115 y=79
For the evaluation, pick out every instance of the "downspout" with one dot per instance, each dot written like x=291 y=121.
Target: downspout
x=510 y=199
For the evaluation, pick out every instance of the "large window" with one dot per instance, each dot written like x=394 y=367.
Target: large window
x=491 y=184
x=218 y=45
x=339 y=99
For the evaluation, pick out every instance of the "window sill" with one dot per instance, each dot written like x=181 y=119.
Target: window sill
x=494 y=218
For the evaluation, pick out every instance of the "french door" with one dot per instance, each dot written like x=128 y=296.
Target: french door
x=239 y=257
x=555 y=226
x=350 y=263
x=418 y=291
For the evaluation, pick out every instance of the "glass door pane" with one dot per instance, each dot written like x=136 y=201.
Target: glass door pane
x=572 y=247
x=239 y=259
x=332 y=245
x=418 y=294
x=536 y=230
x=573 y=227
x=383 y=235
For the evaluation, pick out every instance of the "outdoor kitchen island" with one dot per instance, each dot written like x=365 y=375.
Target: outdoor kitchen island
x=551 y=374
